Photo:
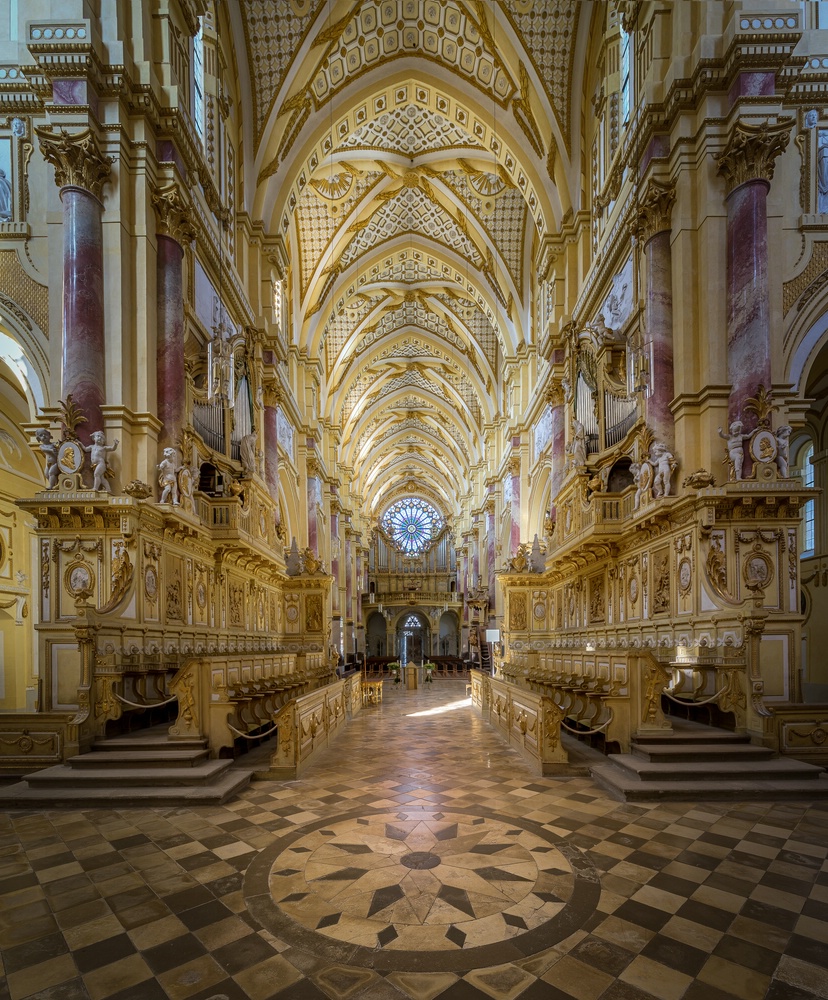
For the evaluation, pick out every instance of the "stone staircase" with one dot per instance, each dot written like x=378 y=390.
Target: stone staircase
x=697 y=762
x=139 y=769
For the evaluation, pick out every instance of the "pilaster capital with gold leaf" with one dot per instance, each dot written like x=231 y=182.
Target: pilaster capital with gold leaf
x=514 y=465
x=751 y=152
x=655 y=210
x=271 y=393
x=490 y=505
x=76 y=157
x=313 y=467
x=174 y=215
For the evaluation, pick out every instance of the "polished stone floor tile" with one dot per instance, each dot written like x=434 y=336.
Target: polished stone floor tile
x=418 y=858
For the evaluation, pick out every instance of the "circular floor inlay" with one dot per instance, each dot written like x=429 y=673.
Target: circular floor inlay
x=421 y=860
x=383 y=889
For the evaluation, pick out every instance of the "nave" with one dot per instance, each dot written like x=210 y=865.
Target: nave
x=418 y=857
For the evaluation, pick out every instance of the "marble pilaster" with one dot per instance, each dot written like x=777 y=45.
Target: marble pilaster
x=555 y=399
x=81 y=172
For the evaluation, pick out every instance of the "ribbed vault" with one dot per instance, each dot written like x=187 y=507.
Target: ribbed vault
x=410 y=154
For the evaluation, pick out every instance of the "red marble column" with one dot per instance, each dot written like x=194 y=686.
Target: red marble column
x=171 y=390
x=173 y=231
x=349 y=591
x=81 y=172
x=748 y=306
x=654 y=215
x=84 y=344
x=514 y=538
x=659 y=311
x=490 y=549
x=747 y=164
x=335 y=546
x=313 y=499
x=272 y=398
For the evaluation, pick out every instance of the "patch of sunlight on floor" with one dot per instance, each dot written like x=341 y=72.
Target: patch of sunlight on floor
x=450 y=707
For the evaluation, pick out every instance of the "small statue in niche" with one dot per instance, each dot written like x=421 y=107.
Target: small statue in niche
x=642 y=473
x=783 y=447
x=168 y=477
x=248 y=455
x=185 y=480
x=822 y=170
x=97 y=459
x=664 y=466
x=50 y=451
x=735 y=448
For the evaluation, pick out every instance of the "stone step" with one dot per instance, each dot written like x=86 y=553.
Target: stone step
x=139 y=759
x=23 y=795
x=734 y=770
x=121 y=744
x=674 y=753
x=628 y=788
x=62 y=775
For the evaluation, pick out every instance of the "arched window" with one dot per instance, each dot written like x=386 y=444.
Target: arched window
x=806 y=473
x=412 y=524
x=198 y=80
x=626 y=76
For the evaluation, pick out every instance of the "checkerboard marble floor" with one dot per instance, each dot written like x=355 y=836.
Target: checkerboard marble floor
x=418 y=857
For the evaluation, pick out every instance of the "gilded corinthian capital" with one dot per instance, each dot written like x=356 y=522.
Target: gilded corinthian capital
x=655 y=209
x=76 y=157
x=271 y=393
x=751 y=151
x=173 y=215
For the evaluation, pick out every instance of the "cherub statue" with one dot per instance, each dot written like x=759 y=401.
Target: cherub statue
x=735 y=447
x=665 y=465
x=50 y=451
x=97 y=459
x=783 y=447
x=168 y=477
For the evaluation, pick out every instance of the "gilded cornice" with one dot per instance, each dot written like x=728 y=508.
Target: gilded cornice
x=76 y=157
x=751 y=151
x=174 y=215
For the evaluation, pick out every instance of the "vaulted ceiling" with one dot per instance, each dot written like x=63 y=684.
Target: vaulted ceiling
x=413 y=155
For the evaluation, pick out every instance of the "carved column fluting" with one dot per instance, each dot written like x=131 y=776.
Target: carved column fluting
x=272 y=398
x=514 y=472
x=81 y=172
x=654 y=221
x=174 y=232
x=747 y=165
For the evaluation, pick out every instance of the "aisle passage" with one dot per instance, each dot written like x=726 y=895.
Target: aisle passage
x=419 y=857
